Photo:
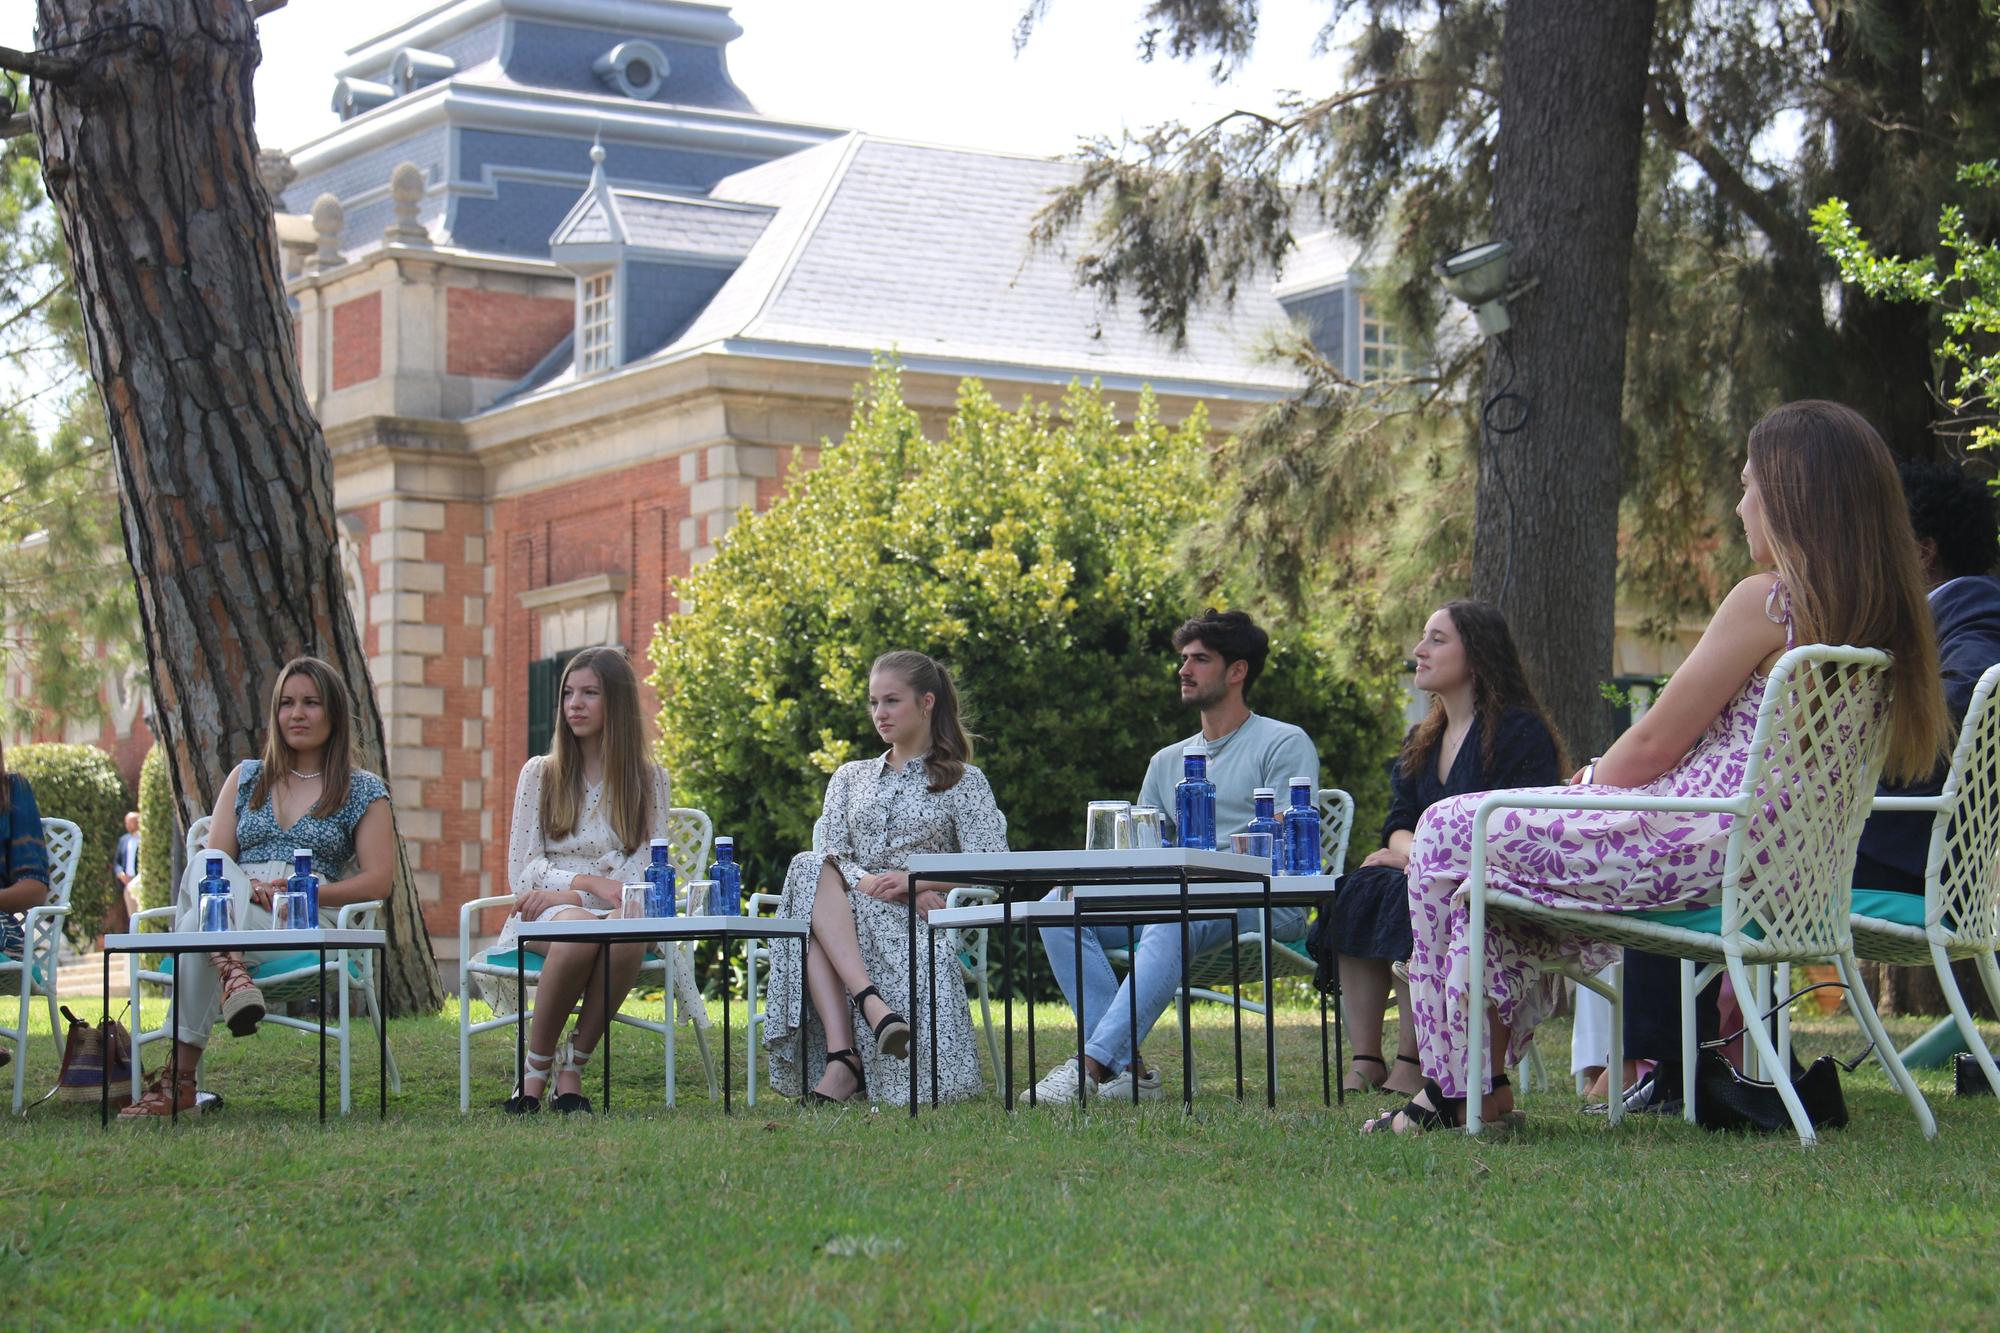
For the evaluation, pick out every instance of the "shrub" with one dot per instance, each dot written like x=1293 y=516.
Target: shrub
x=81 y=784
x=159 y=830
x=1035 y=553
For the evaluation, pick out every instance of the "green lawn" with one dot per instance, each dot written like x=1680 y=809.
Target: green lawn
x=1236 y=1216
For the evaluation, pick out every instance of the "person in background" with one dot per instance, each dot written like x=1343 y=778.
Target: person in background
x=1956 y=522
x=585 y=815
x=24 y=865
x=305 y=792
x=125 y=869
x=1221 y=655
x=921 y=796
x=1485 y=731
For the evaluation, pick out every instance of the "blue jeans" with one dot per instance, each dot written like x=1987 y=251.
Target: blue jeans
x=1103 y=1004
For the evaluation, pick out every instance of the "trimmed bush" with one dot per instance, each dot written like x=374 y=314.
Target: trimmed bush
x=1035 y=553
x=81 y=784
x=158 y=831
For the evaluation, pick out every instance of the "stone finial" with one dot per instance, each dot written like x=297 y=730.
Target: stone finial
x=328 y=217
x=406 y=188
x=276 y=171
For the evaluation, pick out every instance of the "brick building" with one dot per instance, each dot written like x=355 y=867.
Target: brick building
x=566 y=305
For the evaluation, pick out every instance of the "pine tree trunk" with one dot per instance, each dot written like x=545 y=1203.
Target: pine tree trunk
x=150 y=160
x=1565 y=194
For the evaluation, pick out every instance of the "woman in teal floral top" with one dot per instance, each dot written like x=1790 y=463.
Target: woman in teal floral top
x=304 y=792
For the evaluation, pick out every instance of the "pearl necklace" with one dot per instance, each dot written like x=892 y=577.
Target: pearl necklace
x=307 y=777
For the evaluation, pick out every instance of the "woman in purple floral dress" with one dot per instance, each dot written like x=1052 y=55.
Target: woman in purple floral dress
x=1823 y=510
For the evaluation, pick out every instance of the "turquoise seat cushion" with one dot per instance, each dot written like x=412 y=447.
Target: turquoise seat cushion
x=1901 y=909
x=279 y=964
x=530 y=963
x=1898 y=909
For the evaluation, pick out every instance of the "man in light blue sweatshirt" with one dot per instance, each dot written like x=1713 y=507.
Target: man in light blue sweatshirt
x=1222 y=653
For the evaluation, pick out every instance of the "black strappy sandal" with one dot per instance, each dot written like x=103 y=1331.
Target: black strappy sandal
x=1421 y=1119
x=892 y=1034
x=569 y=1062
x=1367 y=1085
x=846 y=1056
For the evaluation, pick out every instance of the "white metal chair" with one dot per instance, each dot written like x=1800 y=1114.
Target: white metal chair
x=292 y=976
x=1289 y=958
x=1958 y=915
x=969 y=946
x=690 y=835
x=1796 y=821
x=35 y=970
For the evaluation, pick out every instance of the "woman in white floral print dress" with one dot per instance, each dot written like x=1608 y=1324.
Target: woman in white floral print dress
x=922 y=796
x=1822 y=505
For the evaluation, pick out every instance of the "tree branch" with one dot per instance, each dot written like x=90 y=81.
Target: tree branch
x=35 y=65
x=1666 y=108
x=259 y=8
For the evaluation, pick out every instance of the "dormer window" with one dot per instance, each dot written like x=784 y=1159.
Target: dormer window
x=597 y=322
x=1384 y=354
x=636 y=69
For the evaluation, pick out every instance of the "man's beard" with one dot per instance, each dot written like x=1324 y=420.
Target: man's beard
x=1201 y=700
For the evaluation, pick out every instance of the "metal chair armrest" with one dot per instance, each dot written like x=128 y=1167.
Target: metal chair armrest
x=353 y=916
x=1923 y=803
x=762 y=904
x=154 y=914
x=465 y=914
x=971 y=893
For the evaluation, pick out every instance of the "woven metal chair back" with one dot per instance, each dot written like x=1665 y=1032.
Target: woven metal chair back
x=1336 y=826
x=690 y=837
x=1965 y=845
x=1822 y=732
x=64 y=841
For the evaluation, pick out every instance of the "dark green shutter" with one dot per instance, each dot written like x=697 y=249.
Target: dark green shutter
x=544 y=677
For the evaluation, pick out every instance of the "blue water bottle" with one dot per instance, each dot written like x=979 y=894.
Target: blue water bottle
x=727 y=895
x=304 y=888
x=1267 y=821
x=1302 y=831
x=1194 y=800
x=660 y=882
x=213 y=899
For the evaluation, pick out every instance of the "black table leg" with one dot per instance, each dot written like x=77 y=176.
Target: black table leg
x=138 y=1026
x=910 y=883
x=521 y=1019
x=1270 y=1010
x=930 y=953
x=1007 y=988
x=1236 y=981
x=381 y=1038
x=1132 y=1003
x=801 y=1037
x=1325 y=1075
x=1187 y=1027
x=1028 y=985
x=604 y=967
x=725 y=943
x=1076 y=940
x=322 y=1034
x=174 y=1045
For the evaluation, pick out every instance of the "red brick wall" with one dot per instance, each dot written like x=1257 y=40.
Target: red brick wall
x=357 y=340
x=501 y=335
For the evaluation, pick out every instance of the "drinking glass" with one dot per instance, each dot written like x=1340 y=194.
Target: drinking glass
x=288 y=910
x=1143 y=824
x=701 y=898
x=1101 y=825
x=1253 y=844
x=632 y=904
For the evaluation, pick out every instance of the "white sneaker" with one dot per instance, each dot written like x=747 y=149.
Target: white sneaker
x=1119 y=1087
x=1061 y=1085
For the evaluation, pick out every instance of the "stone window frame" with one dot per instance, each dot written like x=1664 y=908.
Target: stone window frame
x=598 y=321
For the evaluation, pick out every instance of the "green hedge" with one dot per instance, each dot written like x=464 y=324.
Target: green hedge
x=81 y=784
x=158 y=831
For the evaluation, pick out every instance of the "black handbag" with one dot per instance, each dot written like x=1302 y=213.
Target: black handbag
x=1725 y=1099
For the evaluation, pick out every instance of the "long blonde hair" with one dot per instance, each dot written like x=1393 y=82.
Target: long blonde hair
x=951 y=743
x=1839 y=531
x=336 y=760
x=627 y=793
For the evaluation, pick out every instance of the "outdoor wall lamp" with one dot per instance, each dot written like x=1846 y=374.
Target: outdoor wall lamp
x=1478 y=276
